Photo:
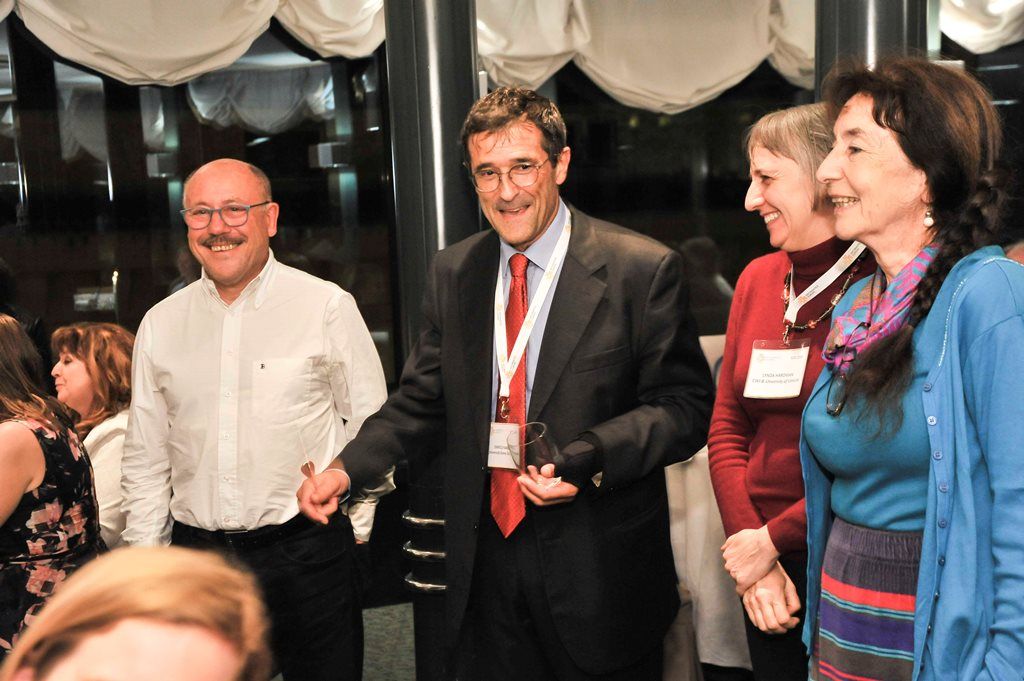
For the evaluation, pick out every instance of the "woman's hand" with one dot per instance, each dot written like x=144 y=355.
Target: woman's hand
x=772 y=601
x=749 y=555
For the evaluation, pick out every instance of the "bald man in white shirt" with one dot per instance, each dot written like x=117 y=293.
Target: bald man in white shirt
x=238 y=380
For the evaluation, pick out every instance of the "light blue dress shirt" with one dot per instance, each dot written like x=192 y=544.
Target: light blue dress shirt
x=538 y=254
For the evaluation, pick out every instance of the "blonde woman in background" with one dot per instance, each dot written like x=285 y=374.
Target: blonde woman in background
x=148 y=614
x=777 y=327
x=93 y=377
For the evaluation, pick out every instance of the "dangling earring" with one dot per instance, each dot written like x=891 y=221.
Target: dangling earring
x=929 y=219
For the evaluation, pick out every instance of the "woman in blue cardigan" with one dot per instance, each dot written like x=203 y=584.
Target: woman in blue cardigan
x=912 y=438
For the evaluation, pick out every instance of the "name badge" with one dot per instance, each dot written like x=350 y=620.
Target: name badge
x=776 y=369
x=502 y=448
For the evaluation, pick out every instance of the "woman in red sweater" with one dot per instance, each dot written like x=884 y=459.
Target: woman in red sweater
x=777 y=325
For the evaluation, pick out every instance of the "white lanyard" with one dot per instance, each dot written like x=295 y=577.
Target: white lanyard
x=507 y=364
x=823 y=282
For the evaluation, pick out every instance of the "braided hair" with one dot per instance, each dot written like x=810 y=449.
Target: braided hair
x=946 y=126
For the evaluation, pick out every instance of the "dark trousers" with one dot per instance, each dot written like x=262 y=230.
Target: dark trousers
x=508 y=633
x=309 y=585
x=782 y=657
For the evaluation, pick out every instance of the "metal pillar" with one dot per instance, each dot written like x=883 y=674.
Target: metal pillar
x=870 y=29
x=431 y=80
x=431 y=55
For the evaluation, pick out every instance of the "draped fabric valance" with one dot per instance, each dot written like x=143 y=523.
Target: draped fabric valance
x=155 y=41
x=661 y=55
x=263 y=101
x=83 y=129
x=983 y=25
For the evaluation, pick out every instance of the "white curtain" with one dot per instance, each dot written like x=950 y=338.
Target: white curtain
x=263 y=101
x=335 y=28
x=169 y=42
x=983 y=25
x=82 y=119
x=791 y=25
x=661 y=55
x=527 y=42
x=670 y=56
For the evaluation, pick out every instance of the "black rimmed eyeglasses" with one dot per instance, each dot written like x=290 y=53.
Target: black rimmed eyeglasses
x=232 y=215
x=835 y=398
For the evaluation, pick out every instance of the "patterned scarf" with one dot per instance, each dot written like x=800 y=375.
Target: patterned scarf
x=869 y=321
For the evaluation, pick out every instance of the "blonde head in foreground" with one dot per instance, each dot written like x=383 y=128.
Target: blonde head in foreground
x=143 y=614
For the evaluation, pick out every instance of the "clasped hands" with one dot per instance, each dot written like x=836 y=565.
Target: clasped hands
x=318 y=494
x=769 y=595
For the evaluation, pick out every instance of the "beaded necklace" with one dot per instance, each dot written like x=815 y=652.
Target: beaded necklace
x=788 y=327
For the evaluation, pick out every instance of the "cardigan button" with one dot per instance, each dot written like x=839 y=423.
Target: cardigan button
x=932 y=420
x=943 y=522
x=927 y=387
x=936 y=455
x=943 y=487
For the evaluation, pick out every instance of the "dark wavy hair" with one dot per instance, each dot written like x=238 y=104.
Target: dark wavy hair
x=507 y=106
x=21 y=380
x=946 y=126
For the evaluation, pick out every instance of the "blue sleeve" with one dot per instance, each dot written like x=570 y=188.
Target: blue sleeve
x=993 y=376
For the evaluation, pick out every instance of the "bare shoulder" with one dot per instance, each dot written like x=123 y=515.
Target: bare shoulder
x=13 y=433
x=19 y=449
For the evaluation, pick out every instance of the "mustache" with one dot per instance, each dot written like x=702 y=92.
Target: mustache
x=212 y=241
x=510 y=205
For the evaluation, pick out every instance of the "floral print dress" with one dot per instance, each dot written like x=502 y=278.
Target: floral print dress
x=53 y=530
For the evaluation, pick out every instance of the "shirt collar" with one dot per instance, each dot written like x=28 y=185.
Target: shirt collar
x=539 y=252
x=258 y=288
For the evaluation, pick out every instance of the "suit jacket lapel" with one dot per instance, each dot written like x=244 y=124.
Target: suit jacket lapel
x=575 y=299
x=476 y=302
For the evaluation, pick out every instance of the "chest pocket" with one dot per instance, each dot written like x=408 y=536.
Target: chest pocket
x=280 y=388
x=601 y=359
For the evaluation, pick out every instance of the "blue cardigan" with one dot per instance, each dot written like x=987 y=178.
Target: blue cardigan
x=969 y=616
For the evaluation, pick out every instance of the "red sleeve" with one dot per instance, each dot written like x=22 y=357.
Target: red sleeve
x=731 y=427
x=788 y=530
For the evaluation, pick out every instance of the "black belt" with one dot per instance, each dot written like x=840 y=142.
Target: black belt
x=241 y=540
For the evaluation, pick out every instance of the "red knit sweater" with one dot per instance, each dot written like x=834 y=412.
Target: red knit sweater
x=753 y=445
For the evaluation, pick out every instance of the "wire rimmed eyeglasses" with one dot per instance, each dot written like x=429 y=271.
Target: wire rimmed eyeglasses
x=232 y=215
x=521 y=175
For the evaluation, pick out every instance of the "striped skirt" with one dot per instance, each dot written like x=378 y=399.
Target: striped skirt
x=866 y=613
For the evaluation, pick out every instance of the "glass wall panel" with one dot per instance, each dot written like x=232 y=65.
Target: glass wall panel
x=679 y=178
x=91 y=176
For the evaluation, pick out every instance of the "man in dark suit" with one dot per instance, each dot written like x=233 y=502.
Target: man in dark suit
x=563 y=572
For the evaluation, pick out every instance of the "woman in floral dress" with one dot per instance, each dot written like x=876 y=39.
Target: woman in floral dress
x=48 y=516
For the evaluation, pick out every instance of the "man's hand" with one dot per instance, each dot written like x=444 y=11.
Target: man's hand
x=318 y=495
x=543 y=488
x=749 y=555
x=772 y=602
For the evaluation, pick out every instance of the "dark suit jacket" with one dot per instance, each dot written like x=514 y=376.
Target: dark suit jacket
x=619 y=361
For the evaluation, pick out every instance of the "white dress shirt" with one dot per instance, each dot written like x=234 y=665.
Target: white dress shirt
x=105 y=444
x=229 y=400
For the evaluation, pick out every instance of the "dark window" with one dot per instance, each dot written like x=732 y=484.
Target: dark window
x=89 y=219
